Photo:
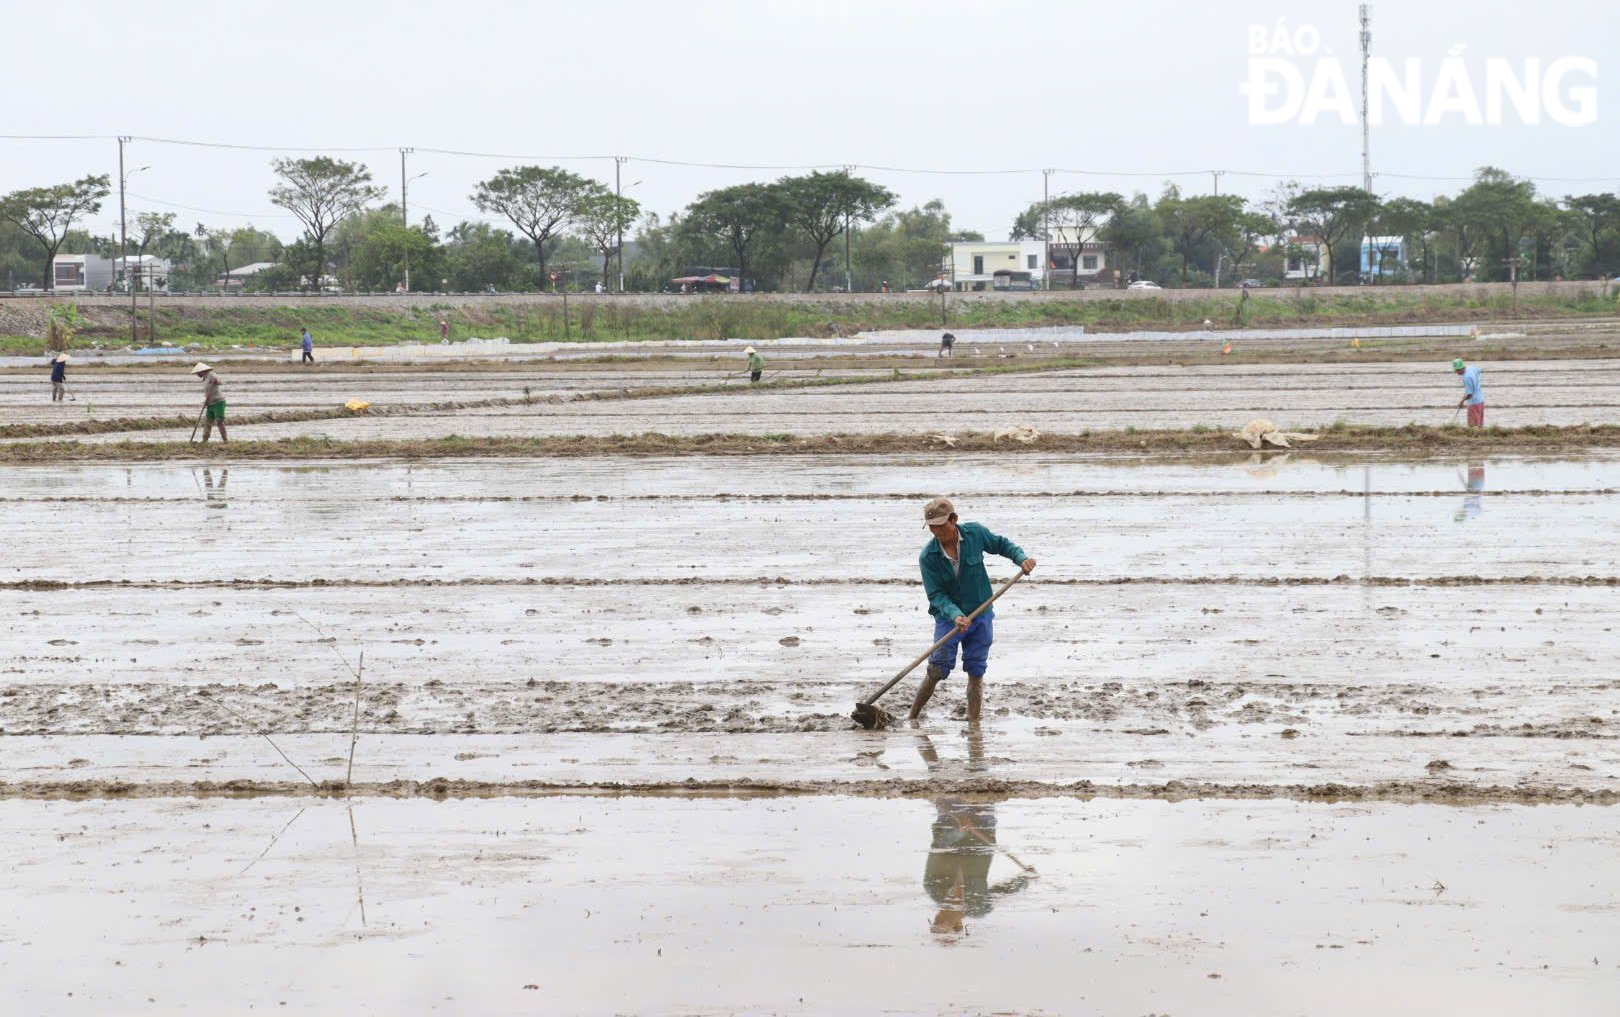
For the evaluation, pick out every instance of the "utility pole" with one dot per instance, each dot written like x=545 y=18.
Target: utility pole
x=123 y=239
x=1366 y=136
x=1216 y=176
x=1513 y=275
x=1365 y=13
x=1046 y=228
x=848 y=171
x=405 y=216
x=618 y=192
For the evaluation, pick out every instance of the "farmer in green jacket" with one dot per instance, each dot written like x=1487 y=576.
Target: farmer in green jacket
x=955 y=583
x=756 y=364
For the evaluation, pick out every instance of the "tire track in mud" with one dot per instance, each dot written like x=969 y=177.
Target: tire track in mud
x=54 y=585
x=1438 y=792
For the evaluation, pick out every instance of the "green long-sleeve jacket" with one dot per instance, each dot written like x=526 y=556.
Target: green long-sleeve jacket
x=756 y=362
x=950 y=595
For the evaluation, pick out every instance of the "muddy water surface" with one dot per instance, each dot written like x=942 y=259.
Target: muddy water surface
x=807 y=906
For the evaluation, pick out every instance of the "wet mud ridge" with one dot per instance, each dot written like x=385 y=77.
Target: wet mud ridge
x=58 y=585
x=1127 y=707
x=1410 y=439
x=1439 y=792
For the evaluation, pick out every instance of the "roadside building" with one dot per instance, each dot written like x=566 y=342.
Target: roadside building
x=1303 y=258
x=978 y=265
x=81 y=273
x=1383 y=256
x=148 y=270
x=236 y=278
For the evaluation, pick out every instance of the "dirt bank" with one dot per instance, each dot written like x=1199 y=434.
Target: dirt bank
x=1409 y=440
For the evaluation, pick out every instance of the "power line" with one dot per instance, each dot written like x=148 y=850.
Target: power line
x=761 y=166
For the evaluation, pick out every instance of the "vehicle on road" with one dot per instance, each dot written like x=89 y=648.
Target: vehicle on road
x=1250 y=284
x=1144 y=284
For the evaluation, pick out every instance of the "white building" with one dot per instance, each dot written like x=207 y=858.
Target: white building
x=81 y=273
x=1082 y=256
x=1303 y=257
x=237 y=277
x=149 y=270
x=995 y=265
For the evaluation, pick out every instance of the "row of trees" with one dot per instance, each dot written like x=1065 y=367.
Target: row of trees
x=782 y=235
x=1497 y=225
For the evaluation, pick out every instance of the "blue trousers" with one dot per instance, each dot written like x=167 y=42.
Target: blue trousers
x=974 y=643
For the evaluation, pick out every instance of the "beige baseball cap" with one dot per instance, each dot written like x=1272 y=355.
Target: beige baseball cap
x=938 y=511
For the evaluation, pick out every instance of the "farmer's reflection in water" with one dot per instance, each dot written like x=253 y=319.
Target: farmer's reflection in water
x=1473 y=502
x=957 y=875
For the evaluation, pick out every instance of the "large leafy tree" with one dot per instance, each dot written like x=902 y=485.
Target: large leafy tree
x=1068 y=222
x=1595 y=218
x=540 y=201
x=604 y=217
x=1241 y=238
x=1502 y=209
x=737 y=218
x=46 y=213
x=1193 y=224
x=322 y=192
x=1332 y=213
x=1135 y=233
x=1412 y=219
x=149 y=226
x=821 y=206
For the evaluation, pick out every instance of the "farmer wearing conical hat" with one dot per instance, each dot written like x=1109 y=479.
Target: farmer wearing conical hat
x=756 y=364
x=59 y=376
x=213 y=400
x=1473 y=395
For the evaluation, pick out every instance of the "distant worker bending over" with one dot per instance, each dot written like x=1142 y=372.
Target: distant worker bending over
x=1473 y=394
x=956 y=584
x=756 y=364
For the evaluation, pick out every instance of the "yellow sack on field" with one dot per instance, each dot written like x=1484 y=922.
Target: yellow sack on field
x=356 y=405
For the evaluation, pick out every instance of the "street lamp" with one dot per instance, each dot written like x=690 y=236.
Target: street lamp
x=404 y=216
x=619 y=249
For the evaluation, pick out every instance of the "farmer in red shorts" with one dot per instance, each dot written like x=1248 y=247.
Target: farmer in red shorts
x=1473 y=395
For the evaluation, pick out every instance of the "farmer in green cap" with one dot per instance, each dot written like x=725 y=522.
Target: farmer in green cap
x=1473 y=395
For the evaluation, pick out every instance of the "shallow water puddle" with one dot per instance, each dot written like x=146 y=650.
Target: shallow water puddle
x=807 y=905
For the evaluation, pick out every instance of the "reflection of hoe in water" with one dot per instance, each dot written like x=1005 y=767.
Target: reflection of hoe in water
x=962 y=846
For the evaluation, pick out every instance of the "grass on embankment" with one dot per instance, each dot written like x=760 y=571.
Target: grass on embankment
x=337 y=324
x=1410 y=440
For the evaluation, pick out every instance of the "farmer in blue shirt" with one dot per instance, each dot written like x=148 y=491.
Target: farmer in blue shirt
x=1473 y=395
x=309 y=349
x=955 y=583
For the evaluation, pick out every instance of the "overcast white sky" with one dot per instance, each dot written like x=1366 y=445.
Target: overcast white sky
x=1144 y=88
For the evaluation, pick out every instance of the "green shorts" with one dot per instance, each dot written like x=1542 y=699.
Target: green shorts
x=216 y=411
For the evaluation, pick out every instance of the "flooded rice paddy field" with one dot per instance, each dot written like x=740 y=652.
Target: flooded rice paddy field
x=107 y=393
x=1270 y=619
x=1298 y=396
x=1281 y=733
x=941 y=904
